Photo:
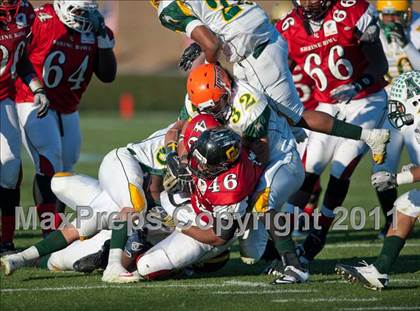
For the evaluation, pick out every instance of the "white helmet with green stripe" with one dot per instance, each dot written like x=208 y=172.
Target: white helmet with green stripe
x=404 y=99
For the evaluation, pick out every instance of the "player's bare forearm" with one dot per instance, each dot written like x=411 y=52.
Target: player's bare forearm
x=416 y=173
x=208 y=42
x=204 y=236
x=173 y=133
x=317 y=121
x=377 y=62
x=106 y=65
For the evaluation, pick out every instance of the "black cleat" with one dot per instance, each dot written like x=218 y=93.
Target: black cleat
x=98 y=260
x=7 y=248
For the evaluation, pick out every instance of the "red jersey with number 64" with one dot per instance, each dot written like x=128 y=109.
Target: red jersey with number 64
x=331 y=55
x=13 y=37
x=63 y=58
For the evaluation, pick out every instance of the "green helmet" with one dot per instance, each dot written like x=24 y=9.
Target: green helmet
x=404 y=99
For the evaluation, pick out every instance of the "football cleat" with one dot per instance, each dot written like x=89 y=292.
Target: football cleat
x=115 y=273
x=275 y=268
x=366 y=274
x=292 y=275
x=94 y=261
x=7 y=248
x=11 y=263
x=377 y=139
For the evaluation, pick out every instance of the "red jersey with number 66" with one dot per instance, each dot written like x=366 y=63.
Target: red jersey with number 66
x=63 y=58
x=13 y=37
x=305 y=87
x=331 y=55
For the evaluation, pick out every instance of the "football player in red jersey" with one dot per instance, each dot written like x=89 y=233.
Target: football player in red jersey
x=68 y=44
x=225 y=175
x=337 y=44
x=16 y=17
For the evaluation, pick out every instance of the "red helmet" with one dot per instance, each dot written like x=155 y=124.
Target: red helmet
x=8 y=10
x=312 y=9
x=196 y=126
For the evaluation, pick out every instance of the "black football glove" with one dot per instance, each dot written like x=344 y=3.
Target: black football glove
x=98 y=23
x=178 y=176
x=190 y=54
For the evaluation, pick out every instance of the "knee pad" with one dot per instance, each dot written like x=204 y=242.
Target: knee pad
x=55 y=262
x=154 y=264
x=252 y=244
x=409 y=203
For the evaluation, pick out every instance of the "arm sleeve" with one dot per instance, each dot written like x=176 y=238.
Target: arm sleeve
x=183 y=114
x=177 y=17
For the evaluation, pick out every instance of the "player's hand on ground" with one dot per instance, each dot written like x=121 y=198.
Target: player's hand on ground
x=383 y=180
x=41 y=101
x=344 y=93
x=190 y=54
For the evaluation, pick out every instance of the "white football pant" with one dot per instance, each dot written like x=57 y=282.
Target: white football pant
x=369 y=112
x=270 y=74
x=9 y=145
x=64 y=259
x=56 y=137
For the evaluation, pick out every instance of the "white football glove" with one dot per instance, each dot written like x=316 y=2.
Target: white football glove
x=376 y=139
x=383 y=180
x=41 y=101
x=344 y=93
x=299 y=133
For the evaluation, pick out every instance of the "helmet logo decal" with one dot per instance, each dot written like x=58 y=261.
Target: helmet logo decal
x=412 y=88
x=232 y=154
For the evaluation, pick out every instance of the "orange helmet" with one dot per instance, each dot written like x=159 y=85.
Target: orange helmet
x=209 y=89
x=8 y=10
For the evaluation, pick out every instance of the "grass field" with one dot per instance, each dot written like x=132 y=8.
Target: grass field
x=236 y=286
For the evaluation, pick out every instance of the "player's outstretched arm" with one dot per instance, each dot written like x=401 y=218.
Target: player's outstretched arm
x=208 y=42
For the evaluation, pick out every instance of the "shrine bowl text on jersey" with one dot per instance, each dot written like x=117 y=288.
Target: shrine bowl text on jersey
x=13 y=37
x=332 y=55
x=63 y=58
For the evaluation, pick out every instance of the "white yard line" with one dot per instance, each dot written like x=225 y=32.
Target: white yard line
x=231 y=283
x=382 y=308
x=391 y=281
x=365 y=245
x=262 y=292
x=326 y=300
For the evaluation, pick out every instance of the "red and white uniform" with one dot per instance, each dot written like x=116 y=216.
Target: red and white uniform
x=13 y=37
x=64 y=60
x=229 y=191
x=331 y=56
x=305 y=87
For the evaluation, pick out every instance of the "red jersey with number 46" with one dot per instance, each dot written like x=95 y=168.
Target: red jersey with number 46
x=331 y=56
x=227 y=191
x=63 y=58
x=13 y=37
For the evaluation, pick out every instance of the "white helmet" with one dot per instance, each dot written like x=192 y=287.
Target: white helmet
x=75 y=13
x=404 y=99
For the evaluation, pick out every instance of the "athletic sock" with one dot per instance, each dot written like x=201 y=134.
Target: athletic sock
x=55 y=241
x=9 y=200
x=386 y=199
x=390 y=251
x=118 y=239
